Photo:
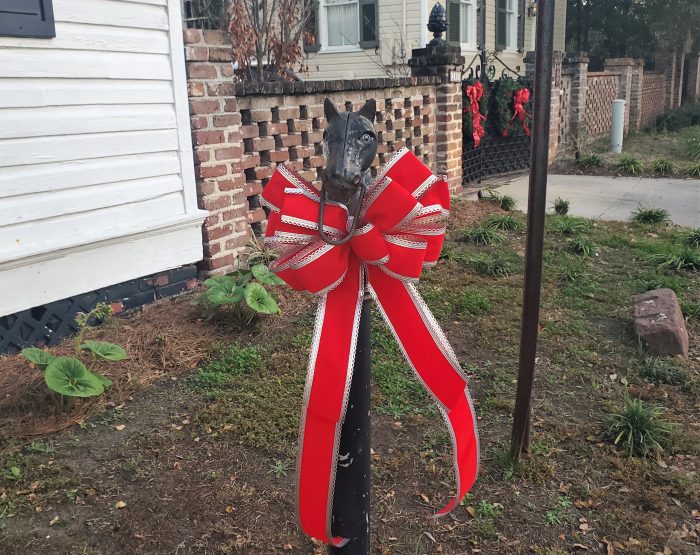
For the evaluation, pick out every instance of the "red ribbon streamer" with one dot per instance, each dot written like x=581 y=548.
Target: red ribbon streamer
x=520 y=98
x=474 y=93
x=401 y=230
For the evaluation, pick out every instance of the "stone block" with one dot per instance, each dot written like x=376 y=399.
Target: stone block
x=659 y=323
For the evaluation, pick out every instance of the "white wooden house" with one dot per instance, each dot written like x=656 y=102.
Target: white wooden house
x=96 y=174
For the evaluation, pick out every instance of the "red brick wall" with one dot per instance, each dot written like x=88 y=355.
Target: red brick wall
x=653 y=95
x=242 y=131
x=602 y=90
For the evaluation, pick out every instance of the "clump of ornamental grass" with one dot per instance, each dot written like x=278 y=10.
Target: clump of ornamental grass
x=678 y=259
x=630 y=164
x=590 y=161
x=664 y=167
x=638 y=428
x=504 y=222
x=581 y=245
x=650 y=216
x=561 y=206
x=481 y=236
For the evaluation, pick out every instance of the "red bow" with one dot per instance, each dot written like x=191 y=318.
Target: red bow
x=401 y=230
x=475 y=92
x=520 y=98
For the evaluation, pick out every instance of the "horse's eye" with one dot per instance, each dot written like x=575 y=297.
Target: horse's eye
x=367 y=137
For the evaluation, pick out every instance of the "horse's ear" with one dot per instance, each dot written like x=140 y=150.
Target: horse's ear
x=330 y=110
x=369 y=110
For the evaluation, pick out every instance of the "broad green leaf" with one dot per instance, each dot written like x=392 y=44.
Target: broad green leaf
x=223 y=290
x=244 y=277
x=107 y=351
x=259 y=299
x=16 y=472
x=106 y=382
x=264 y=275
x=39 y=357
x=68 y=376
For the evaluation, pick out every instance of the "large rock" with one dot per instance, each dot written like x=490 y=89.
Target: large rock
x=658 y=321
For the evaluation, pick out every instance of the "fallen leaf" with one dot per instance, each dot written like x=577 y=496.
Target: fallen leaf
x=429 y=536
x=613 y=377
x=54 y=520
x=580 y=546
x=287 y=547
x=425 y=498
x=471 y=510
x=229 y=509
x=139 y=535
x=120 y=505
x=120 y=427
x=676 y=501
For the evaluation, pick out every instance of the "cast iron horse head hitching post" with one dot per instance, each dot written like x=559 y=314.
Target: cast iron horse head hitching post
x=379 y=236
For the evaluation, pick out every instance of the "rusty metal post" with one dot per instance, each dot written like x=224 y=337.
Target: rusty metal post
x=539 y=159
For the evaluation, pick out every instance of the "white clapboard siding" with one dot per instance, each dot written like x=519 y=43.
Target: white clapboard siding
x=47 y=236
x=39 y=178
x=21 y=123
x=34 y=93
x=52 y=204
x=82 y=36
x=95 y=152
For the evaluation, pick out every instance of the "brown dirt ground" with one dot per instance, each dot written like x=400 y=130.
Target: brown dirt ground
x=197 y=485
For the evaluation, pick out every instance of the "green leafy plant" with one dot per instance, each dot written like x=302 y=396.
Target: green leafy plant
x=581 y=245
x=638 y=428
x=557 y=514
x=561 y=206
x=678 y=259
x=507 y=203
x=242 y=293
x=590 y=161
x=68 y=376
x=279 y=468
x=664 y=167
x=650 y=216
x=692 y=238
x=504 y=222
x=630 y=164
x=481 y=236
x=566 y=225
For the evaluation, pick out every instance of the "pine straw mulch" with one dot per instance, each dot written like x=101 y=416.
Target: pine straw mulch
x=165 y=338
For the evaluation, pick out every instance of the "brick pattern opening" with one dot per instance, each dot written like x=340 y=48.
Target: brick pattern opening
x=602 y=90
x=653 y=95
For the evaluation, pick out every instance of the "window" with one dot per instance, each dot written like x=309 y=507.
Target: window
x=506 y=25
x=348 y=25
x=27 y=18
x=461 y=23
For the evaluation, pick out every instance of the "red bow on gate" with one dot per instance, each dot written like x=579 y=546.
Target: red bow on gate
x=401 y=230
x=520 y=98
x=474 y=93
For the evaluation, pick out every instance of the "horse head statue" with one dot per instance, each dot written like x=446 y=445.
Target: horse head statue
x=349 y=146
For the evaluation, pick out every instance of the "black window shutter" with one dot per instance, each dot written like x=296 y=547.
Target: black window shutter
x=369 y=24
x=521 y=25
x=480 y=23
x=501 y=24
x=27 y=18
x=311 y=35
x=454 y=21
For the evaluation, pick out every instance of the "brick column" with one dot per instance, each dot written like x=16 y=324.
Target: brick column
x=693 y=91
x=555 y=105
x=625 y=67
x=635 y=101
x=217 y=138
x=577 y=68
x=667 y=63
x=439 y=59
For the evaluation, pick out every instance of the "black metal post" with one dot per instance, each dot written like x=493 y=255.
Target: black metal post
x=520 y=441
x=352 y=483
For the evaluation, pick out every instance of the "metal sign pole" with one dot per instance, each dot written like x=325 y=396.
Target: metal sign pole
x=352 y=483
x=539 y=158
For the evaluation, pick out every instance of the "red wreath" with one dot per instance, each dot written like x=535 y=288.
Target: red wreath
x=474 y=93
x=520 y=98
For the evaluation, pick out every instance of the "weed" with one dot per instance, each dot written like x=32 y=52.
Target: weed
x=498 y=265
x=638 y=428
x=694 y=170
x=227 y=362
x=557 y=514
x=581 y=245
x=487 y=510
x=279 y=468
x=590 y=161
x=650 y=216
x=678 y=259
x=692 y=145
x=662 y=371
x=655 y=280
x=690 y=309
x=571 y=271
x=630 y=164
x=505 y=222
x=664 y=167
x=481 y=236
x=561 y=206
x=568 y=226
x=692 y=238
x=508 y=203
x=471 y=302
x=41 y=446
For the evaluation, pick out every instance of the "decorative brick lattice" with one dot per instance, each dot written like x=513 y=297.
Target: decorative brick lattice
x=602 y=90
x=241 y=131
x=564 y=111
x=653 y=95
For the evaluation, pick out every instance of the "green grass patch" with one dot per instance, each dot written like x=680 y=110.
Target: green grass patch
x=504 y=222
x=226 y=362
x=481 y=236
x=662 y=371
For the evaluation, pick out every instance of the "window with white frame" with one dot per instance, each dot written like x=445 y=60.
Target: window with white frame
x=341 y=24
x=461 y=23
x=507 y=25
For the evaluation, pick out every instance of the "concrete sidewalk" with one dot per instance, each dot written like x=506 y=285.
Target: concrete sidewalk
x=615 y=198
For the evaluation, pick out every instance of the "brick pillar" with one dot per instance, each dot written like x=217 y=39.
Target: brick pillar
x=635 y=100
x=693 y=90
x=667 y=63
x=555 y=105
x=218 y=149
x=625 y=67
x=440 y=59
x=577 y=68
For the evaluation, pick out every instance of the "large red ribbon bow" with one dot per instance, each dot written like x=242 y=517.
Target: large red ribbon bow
x=401 y=230
x=520 y=98
x=474 y=93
